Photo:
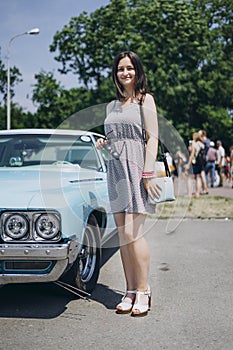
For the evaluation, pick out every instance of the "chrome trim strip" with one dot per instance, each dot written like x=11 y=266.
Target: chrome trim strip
x=34 y=251
x=87 y=180
x=63 y=254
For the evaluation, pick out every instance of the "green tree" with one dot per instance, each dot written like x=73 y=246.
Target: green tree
x=86 y=46
x=46 y=93
x=55 y=104
x=215 y=86
x=15 y=78
x=17 y=114
x=186 y=47
x=3 y=114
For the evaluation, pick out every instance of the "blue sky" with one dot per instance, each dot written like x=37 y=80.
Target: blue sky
x=30 y=53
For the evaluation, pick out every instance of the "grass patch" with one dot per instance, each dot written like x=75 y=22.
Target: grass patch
x=203 y=207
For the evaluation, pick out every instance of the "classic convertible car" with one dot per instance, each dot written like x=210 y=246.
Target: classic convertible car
x=54 y=207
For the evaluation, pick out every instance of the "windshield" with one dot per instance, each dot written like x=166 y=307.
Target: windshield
x=29 y=150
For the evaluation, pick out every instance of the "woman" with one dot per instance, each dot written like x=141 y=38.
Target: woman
x=129 y=177
x=197 y=166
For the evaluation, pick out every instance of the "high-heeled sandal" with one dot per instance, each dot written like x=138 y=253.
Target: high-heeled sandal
x=140 y=310
x=125 y=307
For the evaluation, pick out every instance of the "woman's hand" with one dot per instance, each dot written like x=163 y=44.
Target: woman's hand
x=152 y=188
x=100 y=143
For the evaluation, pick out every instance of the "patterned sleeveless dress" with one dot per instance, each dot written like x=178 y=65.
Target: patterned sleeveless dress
x=125 y=184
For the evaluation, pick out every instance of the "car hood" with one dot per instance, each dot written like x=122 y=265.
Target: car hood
x=40 y=187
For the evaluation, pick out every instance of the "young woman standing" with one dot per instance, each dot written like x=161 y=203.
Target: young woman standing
x=129 y=176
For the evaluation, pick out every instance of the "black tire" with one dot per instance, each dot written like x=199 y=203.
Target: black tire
x=84 y=272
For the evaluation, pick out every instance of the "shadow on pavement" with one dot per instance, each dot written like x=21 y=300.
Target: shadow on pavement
x=106 y=296
x=102 y=293
x=47 y=300
x=39 y=300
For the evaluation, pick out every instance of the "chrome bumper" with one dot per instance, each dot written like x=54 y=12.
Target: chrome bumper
x=59 y=254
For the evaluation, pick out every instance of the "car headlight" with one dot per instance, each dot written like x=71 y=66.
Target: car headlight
x=16 y=226
x=47 y=226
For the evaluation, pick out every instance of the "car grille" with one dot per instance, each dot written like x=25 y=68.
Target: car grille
x=26 y=267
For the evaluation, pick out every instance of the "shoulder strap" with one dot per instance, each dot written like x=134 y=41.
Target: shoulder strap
x=163 y=154
x=142 y=123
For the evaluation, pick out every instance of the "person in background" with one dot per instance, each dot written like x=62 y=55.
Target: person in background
x=210 y=164
x=196 y=146
x=228 y=167
x=188 y=172
x=206 y=142
x=204 y=139
x=231 y=165
x=221 y=162
x=180 y=160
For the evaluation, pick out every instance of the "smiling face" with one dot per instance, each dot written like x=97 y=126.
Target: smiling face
x=126 y=74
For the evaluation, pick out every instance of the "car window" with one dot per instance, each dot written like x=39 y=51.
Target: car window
x=28 y=150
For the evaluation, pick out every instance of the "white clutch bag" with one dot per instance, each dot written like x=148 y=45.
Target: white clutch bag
x=162 y=172
x=164 y=180
x=167 y=190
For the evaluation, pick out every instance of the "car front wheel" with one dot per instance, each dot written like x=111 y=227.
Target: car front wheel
x=84 y=272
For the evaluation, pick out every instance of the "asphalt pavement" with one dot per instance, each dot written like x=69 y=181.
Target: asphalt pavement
x=192 y=283
x=224 y=191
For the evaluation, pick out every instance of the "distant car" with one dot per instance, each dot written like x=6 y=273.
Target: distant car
x=54 y=207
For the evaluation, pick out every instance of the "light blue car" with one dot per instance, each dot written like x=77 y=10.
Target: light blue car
x=54 y=207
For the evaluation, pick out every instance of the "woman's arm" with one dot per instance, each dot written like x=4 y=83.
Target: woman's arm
x=151 y=127
x=192 y=155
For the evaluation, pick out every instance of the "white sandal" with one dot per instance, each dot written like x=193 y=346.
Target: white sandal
x=125 y=307
x=138 y=309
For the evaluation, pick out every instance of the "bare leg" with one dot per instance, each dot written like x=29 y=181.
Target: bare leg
x=203 y=181
x=131 y=284
x=223 y=177
x=190 y=184
x=135 y=253
x=198 y=185
x=125 y=254
x=138 y=249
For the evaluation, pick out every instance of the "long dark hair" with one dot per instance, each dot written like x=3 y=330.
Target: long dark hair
x=140 y=78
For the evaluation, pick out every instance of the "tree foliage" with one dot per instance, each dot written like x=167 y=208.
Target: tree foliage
x=15 y=78
x=55 y=104
x=186 y=49
x=18 y=117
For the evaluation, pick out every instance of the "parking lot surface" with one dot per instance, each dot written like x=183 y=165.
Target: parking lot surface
x=191 y=279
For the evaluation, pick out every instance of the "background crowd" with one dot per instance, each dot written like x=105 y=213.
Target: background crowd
x=209 y=164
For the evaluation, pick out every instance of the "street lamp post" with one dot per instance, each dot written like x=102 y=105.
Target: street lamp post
x=31 y=32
